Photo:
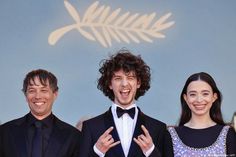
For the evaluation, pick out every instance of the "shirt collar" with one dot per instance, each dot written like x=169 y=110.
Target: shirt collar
x=48 y=121
x=114 y=106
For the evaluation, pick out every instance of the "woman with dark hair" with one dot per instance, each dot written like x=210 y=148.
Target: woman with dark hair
x=201 y=130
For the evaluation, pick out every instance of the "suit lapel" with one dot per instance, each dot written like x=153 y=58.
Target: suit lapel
x=56 y=140
x=20 y=138
x=134 y=148
x=109 y=121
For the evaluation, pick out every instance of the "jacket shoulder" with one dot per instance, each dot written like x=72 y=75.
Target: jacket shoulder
x=65 y=126
x=153 y=122
x=95 y=120
x=14 y=122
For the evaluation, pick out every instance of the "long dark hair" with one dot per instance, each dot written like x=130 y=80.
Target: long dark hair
x=215 y=111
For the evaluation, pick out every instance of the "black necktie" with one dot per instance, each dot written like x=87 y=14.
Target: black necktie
x=120 y=112
x=37 y=140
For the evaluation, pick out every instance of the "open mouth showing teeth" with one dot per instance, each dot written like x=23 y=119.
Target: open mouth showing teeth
x=199 y=107
x=38 y=103
x=125 y=93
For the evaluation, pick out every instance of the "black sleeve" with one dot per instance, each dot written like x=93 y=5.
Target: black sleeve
x=87 y=143
x=155 y=153
x=77 y=143
x=168 y=146
x=1 y=147
x=231 y=143
x=164 y=146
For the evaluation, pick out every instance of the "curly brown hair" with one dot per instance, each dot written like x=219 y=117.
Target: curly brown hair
x=126 y=61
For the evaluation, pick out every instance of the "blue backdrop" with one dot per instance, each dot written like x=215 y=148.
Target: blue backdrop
x=202 y=39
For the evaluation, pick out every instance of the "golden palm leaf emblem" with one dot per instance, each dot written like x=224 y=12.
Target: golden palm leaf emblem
x=101 y=24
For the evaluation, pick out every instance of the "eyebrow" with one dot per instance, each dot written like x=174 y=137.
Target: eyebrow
x=193 y=91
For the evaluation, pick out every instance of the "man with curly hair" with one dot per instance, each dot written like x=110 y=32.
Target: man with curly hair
x=124 y=130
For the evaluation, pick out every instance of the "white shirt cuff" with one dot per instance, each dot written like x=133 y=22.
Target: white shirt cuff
x=98 y=152
x=147 y=153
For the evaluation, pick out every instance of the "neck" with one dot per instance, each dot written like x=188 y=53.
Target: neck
x=124 y=106
x=40 y=117
x=197 y=122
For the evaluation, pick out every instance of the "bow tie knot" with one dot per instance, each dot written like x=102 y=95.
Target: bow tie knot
x=121 y=111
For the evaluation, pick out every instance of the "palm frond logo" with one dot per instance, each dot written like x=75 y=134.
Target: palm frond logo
x=101 y=24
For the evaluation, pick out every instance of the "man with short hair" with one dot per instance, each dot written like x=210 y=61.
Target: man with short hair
x=39 y=133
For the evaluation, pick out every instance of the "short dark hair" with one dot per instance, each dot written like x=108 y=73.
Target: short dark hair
x=215 y=111
x=43 y=76
x=128 y=62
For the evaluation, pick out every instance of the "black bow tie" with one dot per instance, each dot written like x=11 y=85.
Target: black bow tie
x=120 y=112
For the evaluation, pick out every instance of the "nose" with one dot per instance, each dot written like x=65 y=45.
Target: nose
x=199 y=98
x=37 y=95
x=124 y=82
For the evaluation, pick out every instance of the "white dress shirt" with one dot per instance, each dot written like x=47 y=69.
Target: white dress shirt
x=125 y=126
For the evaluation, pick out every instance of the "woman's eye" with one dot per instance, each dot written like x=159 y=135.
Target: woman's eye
x=192 y=95
x=205 y=94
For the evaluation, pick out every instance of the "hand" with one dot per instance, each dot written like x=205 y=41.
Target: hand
x=144 y=141
x=105 y=141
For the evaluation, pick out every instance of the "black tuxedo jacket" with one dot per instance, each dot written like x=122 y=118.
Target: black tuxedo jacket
x=64 y=141
x=95 y=127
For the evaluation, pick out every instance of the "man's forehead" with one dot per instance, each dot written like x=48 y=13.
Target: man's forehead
x=127 y=73
x=37 y=82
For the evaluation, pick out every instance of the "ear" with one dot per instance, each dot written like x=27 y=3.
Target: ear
x=55 y=94
x=139 y=84
x=215 y=97
x=110 y=87
x=185 y=97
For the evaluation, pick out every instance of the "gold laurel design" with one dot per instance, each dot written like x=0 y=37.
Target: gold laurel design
x=101 y=24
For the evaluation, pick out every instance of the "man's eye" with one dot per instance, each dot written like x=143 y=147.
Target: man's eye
x=131 y=77
x=30 y=91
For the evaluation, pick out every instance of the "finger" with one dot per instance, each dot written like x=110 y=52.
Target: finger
x=107 y=138
x=144 y=145
x=108 y=143
x=142 y=138
x=137 y=141
x=107 y=132
x=145 y=131
x=114 y=144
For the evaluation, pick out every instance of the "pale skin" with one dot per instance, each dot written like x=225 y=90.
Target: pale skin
x=200 y=98
x=144 y=140
x=124 y=86
x=40 y=98
x=105 y=141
